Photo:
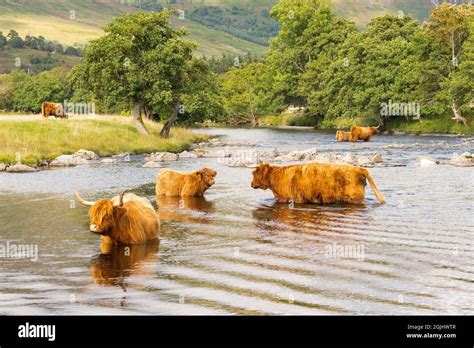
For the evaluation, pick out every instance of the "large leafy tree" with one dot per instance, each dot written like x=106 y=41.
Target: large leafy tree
x=245 y=92
x=447 y=61
x=370 y=68
x=141 y=60
x=309 y=30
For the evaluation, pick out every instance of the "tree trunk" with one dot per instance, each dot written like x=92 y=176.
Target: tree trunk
x=253 y=121
x=457 y=114
x=137 y=117
x=165 y=132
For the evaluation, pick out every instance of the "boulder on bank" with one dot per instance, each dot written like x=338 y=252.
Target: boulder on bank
x=64 y=161
x=3 y=167
x=20 y=168
x=125 y=157
x=162 y=157
x=85 y=155
x=464 y=160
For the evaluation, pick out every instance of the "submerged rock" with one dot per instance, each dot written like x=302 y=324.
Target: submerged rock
x=125 y=157
x=365 y=162
x=350 y=159
x=305 y=155
x=20 y=168
x=109 y=160
x=152 y=164
x=464 y=160
x=162 y=157
x=188 y=154
x=376 y=158
x=426 y=162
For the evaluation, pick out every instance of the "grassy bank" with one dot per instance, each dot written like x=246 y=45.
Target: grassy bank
x=286 y=120
x=441 y=125
x=37 y=140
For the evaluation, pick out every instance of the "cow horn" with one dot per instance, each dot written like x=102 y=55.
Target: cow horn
x=253 y=166
x=121 y=197
x=82 y=201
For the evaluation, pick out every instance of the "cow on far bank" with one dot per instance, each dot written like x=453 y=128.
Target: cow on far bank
x=53 y=109
x=363 y=133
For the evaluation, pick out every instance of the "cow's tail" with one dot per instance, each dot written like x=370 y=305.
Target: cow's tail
x=378 y=194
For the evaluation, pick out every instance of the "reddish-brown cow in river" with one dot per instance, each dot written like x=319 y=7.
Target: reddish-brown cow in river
x=125 y=219
x=343 y=136
x=362 y=133
x=172 y=183
x=320 y=183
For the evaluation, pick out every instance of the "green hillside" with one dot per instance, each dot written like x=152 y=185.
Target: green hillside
x=232 y=27
x=78 y=21
x=33 y=60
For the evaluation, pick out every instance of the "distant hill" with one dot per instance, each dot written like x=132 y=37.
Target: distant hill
x=232 y=27
x=78 y=21
x=34 y=61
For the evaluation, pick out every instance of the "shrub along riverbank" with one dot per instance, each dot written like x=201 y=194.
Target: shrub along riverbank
x=438 y=125
x=39 y=140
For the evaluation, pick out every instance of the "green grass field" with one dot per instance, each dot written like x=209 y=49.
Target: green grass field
x=36 y=140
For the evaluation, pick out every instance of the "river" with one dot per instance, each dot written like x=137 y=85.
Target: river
x=237 y=251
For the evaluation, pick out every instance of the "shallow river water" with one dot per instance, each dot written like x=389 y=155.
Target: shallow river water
x=239 y=252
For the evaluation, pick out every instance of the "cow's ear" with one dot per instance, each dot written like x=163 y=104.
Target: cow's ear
x=199 y=175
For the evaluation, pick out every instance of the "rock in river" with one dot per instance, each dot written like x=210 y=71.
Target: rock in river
x=464 y=160
x=86 y=155
x=20 y=168
x=64 y=161
x=162 y=157
x=152 y=164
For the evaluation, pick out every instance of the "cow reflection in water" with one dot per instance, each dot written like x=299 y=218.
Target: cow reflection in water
x=117 y=262
x=273 y=219
x=185 y=209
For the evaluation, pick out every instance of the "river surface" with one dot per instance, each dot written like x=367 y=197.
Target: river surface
x=239 y=252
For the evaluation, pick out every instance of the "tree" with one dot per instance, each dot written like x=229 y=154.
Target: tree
x=141 y=60
x=370 y=68
x=3 y=41
x=450 y=26
x=308 y=30
x=14 y=40
x=245 y=92
x=24 y=92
